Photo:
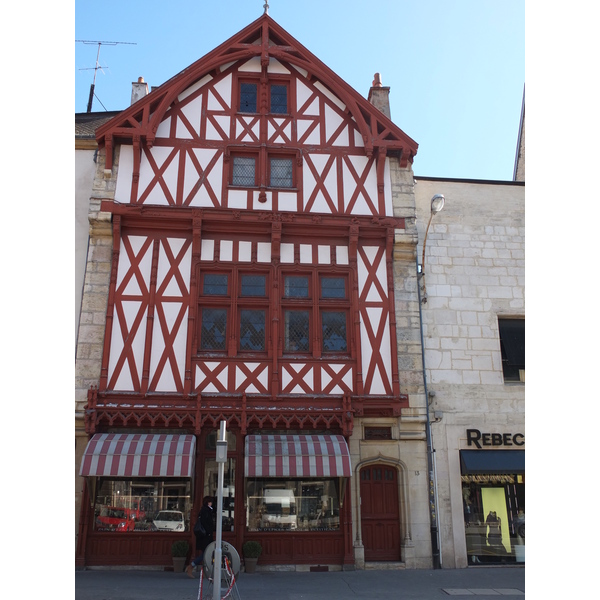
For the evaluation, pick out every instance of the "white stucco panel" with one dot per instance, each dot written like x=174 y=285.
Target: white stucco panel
x=303 y=125
x=223 y=88
x=330 y=95
x=287 y=253
x=207 y=250
x=164 y=128
x=361 y=206
x=276 y=67
x=166 y=382
x=287 y=201
x=303 y=94
x=387 y=188
x=237 y=199
x=192 y=112
x=164 y=265
x=123 y=188
x=251 y=66
x=147 y=175
x=226 y=251
x=324 y=254
x=245 y=252
x=263 y=252
x=194 y=87
x=341 y=255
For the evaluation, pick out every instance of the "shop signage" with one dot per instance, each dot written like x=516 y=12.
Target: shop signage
x=478 y=439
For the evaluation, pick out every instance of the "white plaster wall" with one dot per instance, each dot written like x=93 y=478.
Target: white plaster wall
x=85 y=169
x=474 y=272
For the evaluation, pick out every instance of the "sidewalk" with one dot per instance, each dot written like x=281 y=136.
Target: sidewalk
x=474 y=583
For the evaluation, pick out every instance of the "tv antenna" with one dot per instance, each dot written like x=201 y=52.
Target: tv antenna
x=93 y=86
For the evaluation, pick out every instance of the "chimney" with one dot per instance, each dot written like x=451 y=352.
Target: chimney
x=379 y=96
x=139 y=89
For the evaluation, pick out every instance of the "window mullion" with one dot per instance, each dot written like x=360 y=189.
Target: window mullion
x=316 y=316
x=233 y=315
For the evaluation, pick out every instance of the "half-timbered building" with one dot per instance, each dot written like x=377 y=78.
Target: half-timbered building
x=252 y=259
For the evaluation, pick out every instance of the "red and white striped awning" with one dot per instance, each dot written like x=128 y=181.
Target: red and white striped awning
x=139 y=455
x=297 y=456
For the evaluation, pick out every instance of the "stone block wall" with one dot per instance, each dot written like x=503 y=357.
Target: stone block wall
x=474 y=273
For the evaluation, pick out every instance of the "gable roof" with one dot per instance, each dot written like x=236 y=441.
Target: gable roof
x=264 y=38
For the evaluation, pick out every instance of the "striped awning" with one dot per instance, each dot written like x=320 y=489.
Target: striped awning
x=139 y=455
x=297 y=456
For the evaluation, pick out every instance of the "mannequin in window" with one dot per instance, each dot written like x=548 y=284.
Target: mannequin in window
x=494 y=533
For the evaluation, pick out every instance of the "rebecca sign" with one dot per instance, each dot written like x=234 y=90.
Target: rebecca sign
x=479 y=440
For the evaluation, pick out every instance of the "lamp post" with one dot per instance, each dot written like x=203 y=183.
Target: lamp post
x=221 y=458
x=437 y=203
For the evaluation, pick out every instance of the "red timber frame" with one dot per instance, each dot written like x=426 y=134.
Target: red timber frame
x=256 y=406
x=138 y=124
x=190 y=409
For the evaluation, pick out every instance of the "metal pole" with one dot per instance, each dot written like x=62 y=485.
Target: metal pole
x=432 y=483
x=221 y=458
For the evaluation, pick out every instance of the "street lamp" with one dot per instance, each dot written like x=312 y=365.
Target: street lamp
x=221 y=459
x=437 y=203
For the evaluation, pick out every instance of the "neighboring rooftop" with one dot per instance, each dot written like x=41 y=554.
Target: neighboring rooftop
x=87 y=123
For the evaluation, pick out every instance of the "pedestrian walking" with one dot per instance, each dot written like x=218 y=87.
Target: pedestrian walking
x=203 y=530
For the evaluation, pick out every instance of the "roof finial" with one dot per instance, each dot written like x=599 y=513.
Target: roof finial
x=266 y=7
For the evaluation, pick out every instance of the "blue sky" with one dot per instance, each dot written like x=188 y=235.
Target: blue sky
x=456 y=69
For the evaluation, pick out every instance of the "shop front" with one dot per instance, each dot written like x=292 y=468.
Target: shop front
x=137 y=497
x=143 y=491
x=493 y=495
x=295 y=498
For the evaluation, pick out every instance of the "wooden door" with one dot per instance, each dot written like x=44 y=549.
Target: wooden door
x=380 y=513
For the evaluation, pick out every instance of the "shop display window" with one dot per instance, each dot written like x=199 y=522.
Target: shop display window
x=494 y=513
x=125 y=505
x=292 y=505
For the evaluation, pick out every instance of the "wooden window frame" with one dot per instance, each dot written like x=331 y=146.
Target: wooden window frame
x=233 y=302
x=252 y=155
x=284 y=83
x=248 y=81
x=316 y=306
x=252 y=303
x=277 y=156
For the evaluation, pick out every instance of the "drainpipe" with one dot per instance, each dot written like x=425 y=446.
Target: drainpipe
x=435 y=545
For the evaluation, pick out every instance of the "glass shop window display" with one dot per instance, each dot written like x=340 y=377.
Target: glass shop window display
x=494 y=515
x=126 y=505
x=292 y=505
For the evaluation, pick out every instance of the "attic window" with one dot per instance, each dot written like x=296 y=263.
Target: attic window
x=279 y=95
x=248 y=95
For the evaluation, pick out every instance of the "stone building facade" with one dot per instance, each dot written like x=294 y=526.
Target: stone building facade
x=473 y=329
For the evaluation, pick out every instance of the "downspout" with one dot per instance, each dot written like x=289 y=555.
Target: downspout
x=435 y=545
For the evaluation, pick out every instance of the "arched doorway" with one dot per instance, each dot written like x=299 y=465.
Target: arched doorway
x=380 y=513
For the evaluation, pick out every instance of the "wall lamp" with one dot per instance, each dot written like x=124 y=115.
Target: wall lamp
x=437 y=203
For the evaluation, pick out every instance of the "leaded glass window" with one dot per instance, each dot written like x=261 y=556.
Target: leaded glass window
x=214 y=284
x=248 y=94
x=279 y=99
x=282 y=172
x=214 y=328
x=244 y=171
x=333 y=287
x=296 y=286
x=334 y=331
x=252 y=330
x=296 y=331
x=253 y=285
